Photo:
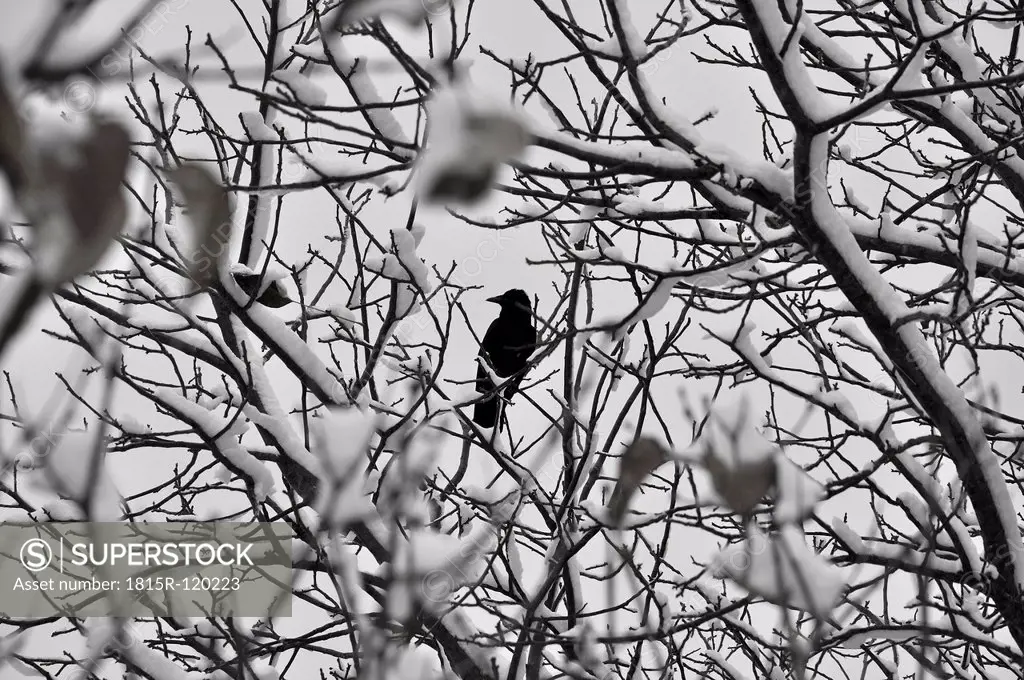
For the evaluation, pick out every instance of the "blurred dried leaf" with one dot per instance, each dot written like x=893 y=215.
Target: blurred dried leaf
x=92 y=185
x=588 y=651
x=487 y=140
x=470 y=135
x=435 y=512
x=412 y=12
x=740 y=460
x=639 y=460
x=464 y=185
x=12 y=139
x=743 y=485
x=209 y=209
x=10 y=646
x=500 y=134
x=86 y=175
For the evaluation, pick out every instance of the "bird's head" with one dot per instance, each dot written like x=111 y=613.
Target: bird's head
x=514 y=299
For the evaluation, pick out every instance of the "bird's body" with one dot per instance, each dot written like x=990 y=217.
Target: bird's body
x=507 y=346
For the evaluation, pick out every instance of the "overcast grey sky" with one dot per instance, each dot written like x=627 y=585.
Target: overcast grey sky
x=492 y=260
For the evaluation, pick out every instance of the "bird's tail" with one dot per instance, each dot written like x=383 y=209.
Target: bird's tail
x=485 y=413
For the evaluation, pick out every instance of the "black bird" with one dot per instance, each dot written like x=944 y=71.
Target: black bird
x=507 y=346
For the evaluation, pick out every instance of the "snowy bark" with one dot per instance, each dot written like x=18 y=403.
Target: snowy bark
x=815 y=218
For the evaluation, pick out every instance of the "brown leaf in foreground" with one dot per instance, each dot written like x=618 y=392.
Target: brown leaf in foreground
x=639 y=459
x=87 y=182
x=71 y=194
x=412 y=12
x=12 y=139
x=469 y=138
x=209 y=209
x=741 y=485
x=92 y=185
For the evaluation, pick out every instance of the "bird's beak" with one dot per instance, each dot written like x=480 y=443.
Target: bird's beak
x=496 y=299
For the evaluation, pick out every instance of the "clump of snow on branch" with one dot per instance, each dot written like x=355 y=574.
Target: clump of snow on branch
x=365 y=91
x=340 y=169
x=797 y=493
x=783 y=570
x=224 y=433
x=74 y=467
x=404 y=266
x=780 y=33
x=628 y=33
x=340 y=440
x=312 y=51
x=256 y=128
x=743 y=465
x=439 y=564
x=639 y=460
x=301 y=88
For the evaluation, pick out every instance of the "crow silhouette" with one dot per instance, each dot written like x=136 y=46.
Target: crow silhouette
x=507 y=346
